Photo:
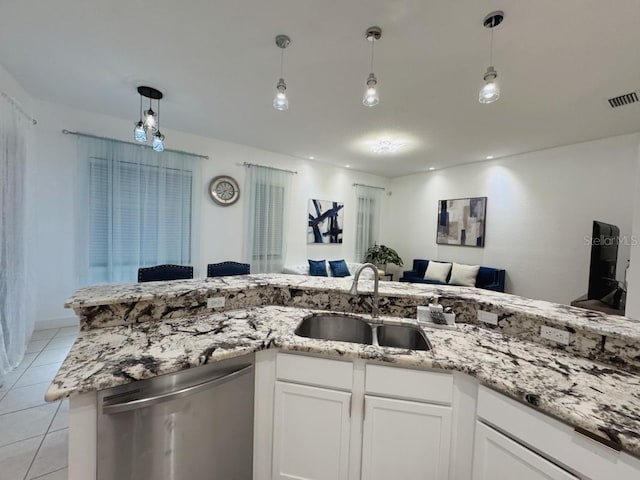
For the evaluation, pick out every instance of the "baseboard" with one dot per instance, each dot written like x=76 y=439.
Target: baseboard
x=56 y=323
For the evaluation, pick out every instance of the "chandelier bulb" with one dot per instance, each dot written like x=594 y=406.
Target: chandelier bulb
x=150 y=120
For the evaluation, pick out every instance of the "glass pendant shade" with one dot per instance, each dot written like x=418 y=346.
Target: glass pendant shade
x=150 y=120
x=139 y=132
x=490 y=92
x=158 y=142
x=280 y=101
x=371 y=97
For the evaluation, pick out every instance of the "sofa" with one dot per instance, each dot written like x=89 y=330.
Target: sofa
x=488 y=278
x=303 y=269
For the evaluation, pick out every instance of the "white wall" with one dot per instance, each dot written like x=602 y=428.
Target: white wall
x=540 y=206
x=633 y=278
x=221 y=227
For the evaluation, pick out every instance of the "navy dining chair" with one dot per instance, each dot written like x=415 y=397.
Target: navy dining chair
x=164 y=272
x=224 y=269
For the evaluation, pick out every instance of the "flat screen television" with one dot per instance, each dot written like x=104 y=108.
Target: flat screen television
x=603 y=285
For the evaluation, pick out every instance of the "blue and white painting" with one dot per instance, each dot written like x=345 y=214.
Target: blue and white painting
x=461 y=221
x=325 y=221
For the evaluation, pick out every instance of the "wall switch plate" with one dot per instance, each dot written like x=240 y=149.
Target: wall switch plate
x=555 y=334
x=488 y=317
x=215 y=302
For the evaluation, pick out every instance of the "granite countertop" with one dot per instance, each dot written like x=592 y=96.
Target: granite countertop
x=580 y=392
x=594 y=322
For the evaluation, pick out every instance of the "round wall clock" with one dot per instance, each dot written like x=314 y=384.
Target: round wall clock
x=224 y=190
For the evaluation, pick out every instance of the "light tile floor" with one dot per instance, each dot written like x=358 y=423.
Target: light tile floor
x=33 y=433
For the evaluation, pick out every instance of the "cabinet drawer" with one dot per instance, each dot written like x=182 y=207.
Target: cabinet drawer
x=551 y=437
x=314 y=371
x=409 y=384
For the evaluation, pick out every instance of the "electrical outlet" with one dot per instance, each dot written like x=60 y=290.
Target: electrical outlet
x=215 y=302
x=488 y=317
x=555 y=334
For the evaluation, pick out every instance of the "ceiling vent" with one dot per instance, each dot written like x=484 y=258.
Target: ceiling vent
x=625 y=99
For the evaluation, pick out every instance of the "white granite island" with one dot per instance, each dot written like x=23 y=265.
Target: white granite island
x=134 y=332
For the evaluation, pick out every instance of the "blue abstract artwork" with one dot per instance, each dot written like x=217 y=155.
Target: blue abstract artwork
x=325 y=221
x=461 y=221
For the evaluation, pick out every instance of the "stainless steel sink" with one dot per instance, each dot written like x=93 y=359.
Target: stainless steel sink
x=336 y=327
x=342 y=328
x=403 y=336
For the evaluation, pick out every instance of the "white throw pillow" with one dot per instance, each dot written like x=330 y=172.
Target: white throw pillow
x=297 y=269
x=464 y=275
x=437 y=271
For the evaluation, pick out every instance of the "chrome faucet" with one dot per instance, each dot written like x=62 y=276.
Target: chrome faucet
x=375 y=310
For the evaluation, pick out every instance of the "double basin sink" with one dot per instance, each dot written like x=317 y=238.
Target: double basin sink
x=356 y=330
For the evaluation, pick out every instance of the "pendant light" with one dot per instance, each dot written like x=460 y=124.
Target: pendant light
x=139 y=132
x=158 y=137
x=371 y=98
x=490 y=91
x=149 y=122
x=280 y=101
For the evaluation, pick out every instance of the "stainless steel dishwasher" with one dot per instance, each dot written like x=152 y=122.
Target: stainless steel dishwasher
x=196 y=424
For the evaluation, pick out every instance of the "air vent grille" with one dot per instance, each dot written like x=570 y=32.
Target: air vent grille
x=625 y=99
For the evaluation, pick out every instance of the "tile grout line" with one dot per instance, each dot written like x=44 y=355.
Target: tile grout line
x=40 y=446
x=27 y=408
x=44 y=475
x=24 y=439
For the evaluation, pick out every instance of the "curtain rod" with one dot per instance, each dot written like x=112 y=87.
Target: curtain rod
x=88 y=135
x=246 y=164
x=19 y=108
x=370 y=186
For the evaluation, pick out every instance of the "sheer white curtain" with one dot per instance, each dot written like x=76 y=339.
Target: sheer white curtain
x=266 y=218
x=15 y=323
x=136 y=208
x=368 y=204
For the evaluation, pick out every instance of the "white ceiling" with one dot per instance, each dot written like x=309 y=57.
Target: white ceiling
x=216 y=61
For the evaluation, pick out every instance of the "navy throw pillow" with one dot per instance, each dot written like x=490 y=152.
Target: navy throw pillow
x=318 y=268
x=339 y=268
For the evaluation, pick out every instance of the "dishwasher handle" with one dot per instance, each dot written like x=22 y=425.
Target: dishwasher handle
x=183 y=392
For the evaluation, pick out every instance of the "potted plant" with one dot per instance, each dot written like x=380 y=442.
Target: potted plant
x=380 y=255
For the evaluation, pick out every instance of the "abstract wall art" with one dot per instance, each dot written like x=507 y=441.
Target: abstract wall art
x=325 y=221
x=461 y=221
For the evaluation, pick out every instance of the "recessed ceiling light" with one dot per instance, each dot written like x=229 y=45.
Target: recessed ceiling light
x=432 y=168
x=311 y=157
x=348 y=166
x=489 y=157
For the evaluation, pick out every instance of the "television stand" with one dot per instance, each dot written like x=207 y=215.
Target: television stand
x=597 y=305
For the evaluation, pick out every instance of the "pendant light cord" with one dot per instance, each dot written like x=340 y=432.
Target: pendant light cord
x=491 y=48
x=282 y=63
x=158 y=115
x=373 y=41
x=140 y=107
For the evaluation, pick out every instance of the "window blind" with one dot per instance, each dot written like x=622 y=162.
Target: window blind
x=140 y=209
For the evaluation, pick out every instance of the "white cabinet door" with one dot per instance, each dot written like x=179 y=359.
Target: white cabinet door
x=310 y=433
x=405 y=440
x=497 y=457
